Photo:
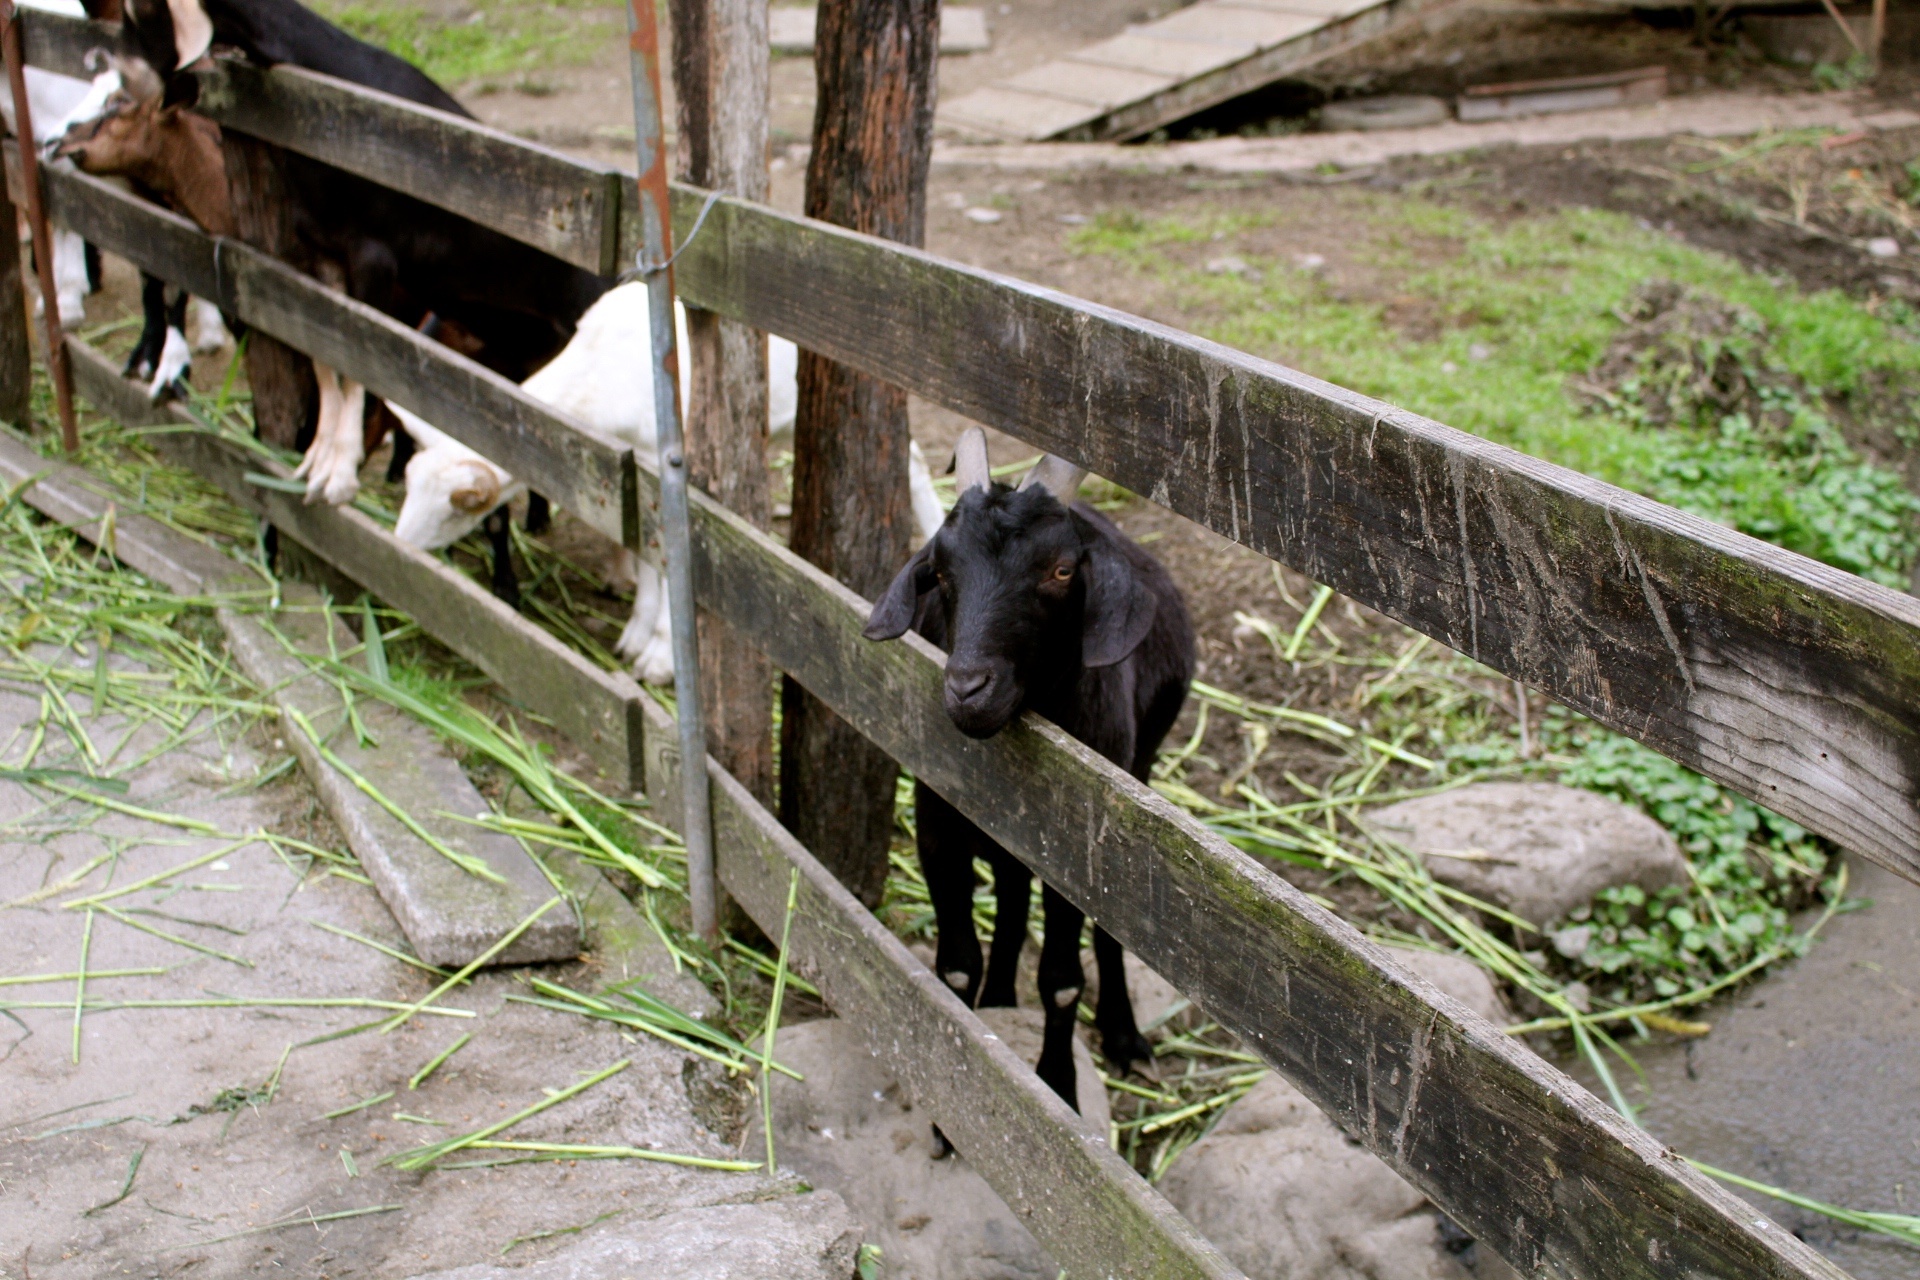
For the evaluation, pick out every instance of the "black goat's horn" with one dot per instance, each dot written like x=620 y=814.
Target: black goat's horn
x=971 y=470
x=1058 y=477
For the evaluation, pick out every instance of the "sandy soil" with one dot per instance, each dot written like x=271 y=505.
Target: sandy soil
x=235 y=1175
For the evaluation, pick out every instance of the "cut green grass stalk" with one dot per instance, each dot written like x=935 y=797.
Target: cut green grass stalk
x=126 y=1185
x=508 y=939
x=466 y=862
x=175 y=938
x=80 y=984
x=297 y=1220
x=773 y=1018
x=579 y=1151
x=1307 y=619
x=654 y=1016
x=425 y=1157
x=1902 y=1227
x=92 y=975
x=106 y=895
x=240 y=1002
x=402 y=956
x=439 y=1060
x=361 y=1105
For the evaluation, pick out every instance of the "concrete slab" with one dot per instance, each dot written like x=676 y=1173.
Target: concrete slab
x=962 y=30
x=1012 y=113
x=1096 y=86
x=1176 y=58
x=1222 y=24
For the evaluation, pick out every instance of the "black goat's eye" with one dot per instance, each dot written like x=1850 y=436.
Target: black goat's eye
x=1062 y=572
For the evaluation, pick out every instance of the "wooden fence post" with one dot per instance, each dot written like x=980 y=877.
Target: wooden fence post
x=16 y=349
x=874 y=63
x=286 y=399
x=720 y=71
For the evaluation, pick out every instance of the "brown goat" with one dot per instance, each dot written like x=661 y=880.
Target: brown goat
x=169 y=153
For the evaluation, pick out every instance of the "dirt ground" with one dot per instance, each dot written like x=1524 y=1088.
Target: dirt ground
x=198 y=1141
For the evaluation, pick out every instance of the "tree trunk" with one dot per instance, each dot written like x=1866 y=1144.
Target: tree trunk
x=16 y=347
x=720 y=85
x=872 y=137
x=286 y=399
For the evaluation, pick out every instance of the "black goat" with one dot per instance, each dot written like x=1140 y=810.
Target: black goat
x=1049 y=607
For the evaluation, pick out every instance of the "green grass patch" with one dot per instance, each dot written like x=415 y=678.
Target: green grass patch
x=492 y=42
x=1521 y=314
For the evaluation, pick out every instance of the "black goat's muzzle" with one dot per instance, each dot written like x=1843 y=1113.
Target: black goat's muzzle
x=981 y=697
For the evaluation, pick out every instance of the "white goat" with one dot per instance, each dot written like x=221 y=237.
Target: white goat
x=605 y=379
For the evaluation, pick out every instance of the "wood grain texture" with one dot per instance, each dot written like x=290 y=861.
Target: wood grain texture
x=577 y=468
x=720 y=77
x=1091 y=1212
x=285 y=388
x=16 y=345
x=59 y=43
x=1530 y=1163
x=599 y=711
x=874 y=63
x=1792 y=682
x=557 y=204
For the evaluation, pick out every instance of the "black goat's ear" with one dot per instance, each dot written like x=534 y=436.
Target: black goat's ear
x=1119 y=607
x=893 y=614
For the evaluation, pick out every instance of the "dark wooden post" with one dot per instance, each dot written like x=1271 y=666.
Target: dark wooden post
x=720 y=85
x=874 y=61
x=286 y=399
x=16 y=348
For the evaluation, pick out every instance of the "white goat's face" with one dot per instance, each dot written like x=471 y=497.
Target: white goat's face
x=447 y=497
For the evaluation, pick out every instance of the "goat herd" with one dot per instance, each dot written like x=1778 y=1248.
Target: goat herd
x=1040 y=601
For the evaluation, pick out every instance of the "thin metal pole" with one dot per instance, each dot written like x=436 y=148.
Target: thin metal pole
x=37 y=223
x=655 y=241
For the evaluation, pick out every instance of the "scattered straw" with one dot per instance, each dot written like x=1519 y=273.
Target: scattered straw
x=508 y=939
x=424 y=1157
x=439 y=1060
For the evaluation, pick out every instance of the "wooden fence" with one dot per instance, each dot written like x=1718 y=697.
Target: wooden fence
x=1789 y=681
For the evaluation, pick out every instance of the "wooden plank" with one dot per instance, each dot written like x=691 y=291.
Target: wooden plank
x=600 y=711
x=1534 y=1166
x=532 y=193
x=1090 y=83
x=1088 y=1209
x=577 y=468
x=1220 y=24
x=16 y=346
x=1175 y=58
x=1333 y=37
x=56 y=42
x=1014 y=114
x=1790 y=681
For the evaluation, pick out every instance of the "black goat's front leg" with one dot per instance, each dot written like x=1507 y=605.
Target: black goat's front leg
x=499 y=527
x=1013 y=896
x=1120 y=1038
x=1061 y=980
x=153 y=329
x=539 y=513
x=946 y=843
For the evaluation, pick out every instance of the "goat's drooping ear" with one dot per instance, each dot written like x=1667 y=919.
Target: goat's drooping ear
x=970 y=467
x=192 y=31
x=1058 y=477
x=893 y=614
x=1119 y=607
x=481 y=493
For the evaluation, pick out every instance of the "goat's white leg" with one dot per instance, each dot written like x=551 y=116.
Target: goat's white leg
x=207 y=328
x=70 y=276
x=640 y=642
x=176 y=358
x=332 y=465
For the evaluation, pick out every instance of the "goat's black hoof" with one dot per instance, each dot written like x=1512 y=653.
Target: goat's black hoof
x=1059 y=1077
x=941 y=1147
x=539 y=514
x=139 y=368
x=508 y=592
x=1124 y=1050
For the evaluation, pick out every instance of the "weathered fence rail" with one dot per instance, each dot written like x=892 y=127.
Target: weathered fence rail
x=1794 y=683
x=1759 y=667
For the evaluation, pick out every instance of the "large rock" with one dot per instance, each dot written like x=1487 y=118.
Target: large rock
x=850 y=1128
x=1286 y=1196
x=805 y=1237
x=1537 y=849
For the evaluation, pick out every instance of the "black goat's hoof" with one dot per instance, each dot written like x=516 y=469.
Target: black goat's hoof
x=1123 y=1051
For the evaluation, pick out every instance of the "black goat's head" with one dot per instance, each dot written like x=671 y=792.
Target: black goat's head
x=1023 y=592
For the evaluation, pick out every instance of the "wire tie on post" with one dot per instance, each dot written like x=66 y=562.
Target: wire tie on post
x=644 y=270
